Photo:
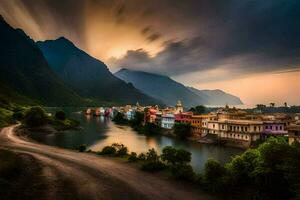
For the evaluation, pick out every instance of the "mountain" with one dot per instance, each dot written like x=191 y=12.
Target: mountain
x=169 y=91
x=217 y=97
x=25 y=72
x=161 y=87
x=88 y=76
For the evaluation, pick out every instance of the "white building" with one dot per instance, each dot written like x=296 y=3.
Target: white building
x=167 y=121
x=242 y=130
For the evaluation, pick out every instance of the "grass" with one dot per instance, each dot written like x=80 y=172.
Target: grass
x=10 y=165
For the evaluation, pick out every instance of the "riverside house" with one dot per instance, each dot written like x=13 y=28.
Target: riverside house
x=294 y=132
x=196 y=122
x=167 y=121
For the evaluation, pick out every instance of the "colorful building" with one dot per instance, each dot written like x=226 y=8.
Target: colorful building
x=183 y=118
x=274 y=128
x=196 y=122
x=294 y=132
x=167 y=121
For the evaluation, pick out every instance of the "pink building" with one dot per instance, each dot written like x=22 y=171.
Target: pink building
x=273 y=128
x=184 y=118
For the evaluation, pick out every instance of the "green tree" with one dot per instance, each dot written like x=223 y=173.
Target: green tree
x=119 y=118
x=182 y=130
x=175 y=156
x=198 y=110
x=214 y=176
x=35 y=116
x=60 y=115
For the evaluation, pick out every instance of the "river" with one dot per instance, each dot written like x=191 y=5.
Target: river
x=98 y=132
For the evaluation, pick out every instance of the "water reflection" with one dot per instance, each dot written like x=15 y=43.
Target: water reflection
x=98 y=132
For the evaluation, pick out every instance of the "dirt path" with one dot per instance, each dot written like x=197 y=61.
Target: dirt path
x=87 y=176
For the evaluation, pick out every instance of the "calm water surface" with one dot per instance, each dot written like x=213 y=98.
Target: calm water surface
x=98 y=132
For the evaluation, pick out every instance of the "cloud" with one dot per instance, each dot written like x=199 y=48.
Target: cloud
x=243 y=36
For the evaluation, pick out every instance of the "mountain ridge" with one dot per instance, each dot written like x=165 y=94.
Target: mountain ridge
x=169 y=91
x=87 y=75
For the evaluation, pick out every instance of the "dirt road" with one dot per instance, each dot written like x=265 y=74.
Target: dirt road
x=73 y=175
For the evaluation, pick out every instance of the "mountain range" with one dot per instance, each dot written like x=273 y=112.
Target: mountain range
x=25 y=72
x=169 y=91
x=57 y=73
x=87 y=76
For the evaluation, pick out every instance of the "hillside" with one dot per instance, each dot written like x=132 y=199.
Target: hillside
x=24 y=72
x=88 y=76
x=170 y=91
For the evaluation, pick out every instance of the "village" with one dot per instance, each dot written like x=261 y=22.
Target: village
x=228 y=126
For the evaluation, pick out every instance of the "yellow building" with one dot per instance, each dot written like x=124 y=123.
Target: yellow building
x=196 y=122
x=294 y=132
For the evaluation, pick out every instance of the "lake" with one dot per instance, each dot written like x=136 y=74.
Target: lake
x=98 y=132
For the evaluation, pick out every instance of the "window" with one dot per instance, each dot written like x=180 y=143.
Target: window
x=276 y=128
x=254 y=128
x=280 y=127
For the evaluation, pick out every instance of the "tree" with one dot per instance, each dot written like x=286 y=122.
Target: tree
x=34 y=117
x=60 y=115
x=119 y=118
x=182 y=130
x=138 y=119
x=175 y=156
x=198 y=110
x=214 y=176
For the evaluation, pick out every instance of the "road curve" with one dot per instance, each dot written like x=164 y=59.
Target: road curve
x=95 y=177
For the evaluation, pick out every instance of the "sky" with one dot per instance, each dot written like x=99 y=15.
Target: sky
x=250 y=48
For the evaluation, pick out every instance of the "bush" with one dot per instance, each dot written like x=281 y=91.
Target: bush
x=35 y=117
x=108 y=150
x=119 y=118
x=183 y=172
x=151 y=129
x=18 y=115
x=82 y=148
x=214 y=176
x=175 y=156
x=152 y=156
x=121 y=149
x=142 y=156
x=182 y=130
x=133 y=157
x=60 y=115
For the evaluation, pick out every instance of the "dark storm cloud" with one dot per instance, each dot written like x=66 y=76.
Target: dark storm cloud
x=250 y=36
x=245 y=36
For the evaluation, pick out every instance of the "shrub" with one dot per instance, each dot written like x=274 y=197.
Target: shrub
x=108 y=150
x=142 y=156
x=182 y=130
x=183 y=172
x=18 y=115
x=82 y=148
x=34 y=117
x=152 y=156
x=119 y=118
x=175 y=156
x=60 y=115
x=121 y=149
x=133 y=157
x=151 y=129
x=214 y=176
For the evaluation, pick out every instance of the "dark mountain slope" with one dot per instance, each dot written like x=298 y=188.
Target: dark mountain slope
x=161 y=87
x=24 y=69
x=169 y=91
x=218 y=97
x=88 y=76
